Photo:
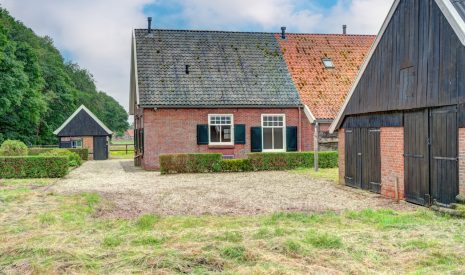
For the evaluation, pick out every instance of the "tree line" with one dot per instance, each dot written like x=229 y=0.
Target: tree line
x=39 y=90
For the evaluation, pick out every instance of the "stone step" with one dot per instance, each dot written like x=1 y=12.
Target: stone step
x=460 y=199
x=459 y=213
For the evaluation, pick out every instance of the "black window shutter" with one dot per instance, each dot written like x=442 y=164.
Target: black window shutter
x=202 y=134
x=239 y=134
x=291 y=138
x=256 y=139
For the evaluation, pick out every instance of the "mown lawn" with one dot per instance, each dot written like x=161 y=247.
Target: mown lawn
x=331 y=174
x=43 y=232
x=122 y=154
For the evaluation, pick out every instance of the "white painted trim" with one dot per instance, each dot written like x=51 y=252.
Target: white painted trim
x=452 y=16
x=232 y=130
x=284 y=134
x=134 y=98
x=308 y=114
x=364 y=66
x=82 y=107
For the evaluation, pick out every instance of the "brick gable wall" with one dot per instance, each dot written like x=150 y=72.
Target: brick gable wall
x=169 y=131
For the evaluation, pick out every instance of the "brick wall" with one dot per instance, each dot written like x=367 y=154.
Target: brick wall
x=170 y=131
x=341 y=156
x=462 y=161
x=392 y=161
x=88 y=143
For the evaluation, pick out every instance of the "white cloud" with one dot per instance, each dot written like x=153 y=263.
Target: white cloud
x=97 y=32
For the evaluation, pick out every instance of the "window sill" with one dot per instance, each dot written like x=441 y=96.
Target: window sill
x=219 y=146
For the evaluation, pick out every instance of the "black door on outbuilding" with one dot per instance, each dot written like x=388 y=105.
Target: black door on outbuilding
x=430 y=155
x=363 y=158
x=100 y=148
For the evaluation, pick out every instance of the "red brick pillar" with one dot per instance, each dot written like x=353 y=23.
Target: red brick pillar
x=462 y=161
x=341 y=155
x=392 y=162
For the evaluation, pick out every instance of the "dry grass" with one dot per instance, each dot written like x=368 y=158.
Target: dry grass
x=43 y=232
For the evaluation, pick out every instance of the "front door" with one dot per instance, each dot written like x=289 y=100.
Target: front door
x=444 y=170
x=100 y=148
x=430 y=155
x=363 y=159
x=416 y=157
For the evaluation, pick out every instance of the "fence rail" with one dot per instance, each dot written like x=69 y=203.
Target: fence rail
x=122 y=148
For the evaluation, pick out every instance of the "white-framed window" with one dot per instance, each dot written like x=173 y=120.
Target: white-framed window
x=76 y=143
x=221 y=129
x=274 y=133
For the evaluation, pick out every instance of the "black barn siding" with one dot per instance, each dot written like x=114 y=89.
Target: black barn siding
x=418 y=63
x=82 y=125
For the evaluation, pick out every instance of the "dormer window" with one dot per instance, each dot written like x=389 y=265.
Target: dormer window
x=328 y=63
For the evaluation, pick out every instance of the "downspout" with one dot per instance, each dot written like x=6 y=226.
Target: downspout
x=300 y=129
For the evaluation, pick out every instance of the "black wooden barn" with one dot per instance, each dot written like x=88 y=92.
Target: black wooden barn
x=413 y=80
x=84 y=130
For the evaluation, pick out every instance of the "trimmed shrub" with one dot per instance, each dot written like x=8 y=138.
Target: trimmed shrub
x=204 y=163
x=287 y=161
x=33 y=167
x=190 y=163
x=327 y=159
x=73 y=158
x=236 y=165
x=13 y=148
x=83 y=153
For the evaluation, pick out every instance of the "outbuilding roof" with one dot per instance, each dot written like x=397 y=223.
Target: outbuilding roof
x=324 y=89
x=209 y=69
x=82 y=123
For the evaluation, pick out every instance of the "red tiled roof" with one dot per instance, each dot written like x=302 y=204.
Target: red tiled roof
x=324 y=90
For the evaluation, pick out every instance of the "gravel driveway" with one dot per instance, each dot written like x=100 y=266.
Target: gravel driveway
x=131 y=191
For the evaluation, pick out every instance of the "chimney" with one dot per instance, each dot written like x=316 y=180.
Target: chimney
x=344 y=29
x=149 y=20
x=187 y=69
x=283 y=32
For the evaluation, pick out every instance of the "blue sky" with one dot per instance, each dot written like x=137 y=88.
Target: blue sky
x=97 y=33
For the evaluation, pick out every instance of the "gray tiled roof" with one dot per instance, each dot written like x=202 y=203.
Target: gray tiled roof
x=460 y=7
x=225 y=69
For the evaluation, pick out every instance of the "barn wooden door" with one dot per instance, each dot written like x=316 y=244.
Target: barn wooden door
x=363 y=158
x=373 y=161
x=416 y=157
x=444 y=139
x=350 y=157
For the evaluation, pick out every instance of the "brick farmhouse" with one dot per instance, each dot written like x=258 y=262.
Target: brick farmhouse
x=235 y=92
x=402 y=126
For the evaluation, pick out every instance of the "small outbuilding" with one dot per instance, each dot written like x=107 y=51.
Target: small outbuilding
x=84 y=130
x=402 y=127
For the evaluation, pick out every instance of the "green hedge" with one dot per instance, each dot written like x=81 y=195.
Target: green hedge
x=83 y=153
x=190 y=163
x=204 y=163
x=287 y=161
x=33 y=167
x=236 y=165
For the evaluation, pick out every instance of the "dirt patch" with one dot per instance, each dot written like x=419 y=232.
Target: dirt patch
x=132 y=191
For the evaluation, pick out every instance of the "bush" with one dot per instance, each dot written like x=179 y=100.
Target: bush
x=287 y=161
x=204 y=163
x=33 y=167
x=190 y=163
x=83 y=153
x=13 y=148
x=73 y=158
x=236 y=165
